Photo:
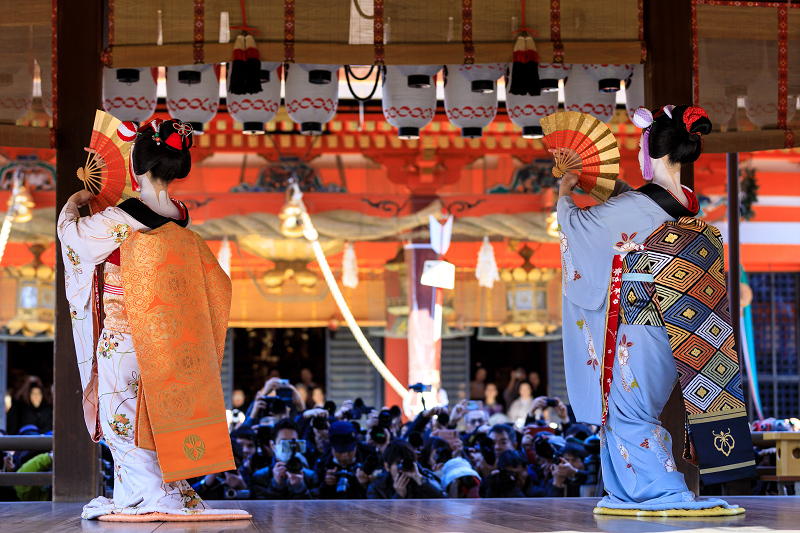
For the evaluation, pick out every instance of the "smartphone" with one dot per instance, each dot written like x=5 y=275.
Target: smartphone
x=474 y=405
x=535 y=430
x=552 y=403
x=284 y=382
x=449 y=435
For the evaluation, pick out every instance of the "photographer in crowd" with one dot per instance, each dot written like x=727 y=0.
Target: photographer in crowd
x=403 y=477
x=288 y=477
x=345 y=470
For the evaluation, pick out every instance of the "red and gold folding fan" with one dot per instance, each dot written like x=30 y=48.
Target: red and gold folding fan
x=583 y=144
x=107 y=172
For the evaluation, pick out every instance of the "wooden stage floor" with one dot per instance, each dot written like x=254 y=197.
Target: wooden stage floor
x=764 y=514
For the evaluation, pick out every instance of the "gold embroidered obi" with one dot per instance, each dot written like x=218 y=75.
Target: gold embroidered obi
x=113 y=301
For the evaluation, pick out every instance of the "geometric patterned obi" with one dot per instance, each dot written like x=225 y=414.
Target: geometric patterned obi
x=638 y=304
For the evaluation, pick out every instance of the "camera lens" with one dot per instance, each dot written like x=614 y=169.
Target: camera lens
x=385 y=418
x=407 y=465
x=294 y=465
x=320 y=423
x=378 y=435
x=443 y=455
x=444 y=419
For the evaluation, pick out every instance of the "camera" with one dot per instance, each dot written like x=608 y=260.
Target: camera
x=546 y=450
x=385 y=418
x=275 y=406
x=379 y=434
x=233 y=494
x=552 y=402
x=370 y=465
x=443 y=419
x=407 y=465
x=505 y=480
x=320 y=423
x=486 y=447
x=344 y=482
x=415 y=440
x=330 y=407
x=442 y=455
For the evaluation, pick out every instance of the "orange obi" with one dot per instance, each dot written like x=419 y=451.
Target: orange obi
x=177 y=300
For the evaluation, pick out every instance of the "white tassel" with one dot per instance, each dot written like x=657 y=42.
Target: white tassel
x=486 y=270
x=224 y=256
x=350 y=267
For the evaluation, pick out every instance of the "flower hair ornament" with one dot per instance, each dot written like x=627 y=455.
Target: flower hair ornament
x=181 y=138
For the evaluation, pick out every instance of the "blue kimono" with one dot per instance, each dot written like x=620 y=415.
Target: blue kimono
x=636 y=451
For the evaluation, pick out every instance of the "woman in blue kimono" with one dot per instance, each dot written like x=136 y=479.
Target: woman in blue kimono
x=597 y=245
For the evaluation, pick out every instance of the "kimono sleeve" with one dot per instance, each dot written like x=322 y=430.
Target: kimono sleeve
x=86 y=242
x=586 y=253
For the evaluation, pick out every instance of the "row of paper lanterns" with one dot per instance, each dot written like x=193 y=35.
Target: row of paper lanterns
x=409 y=95
x=409 y=101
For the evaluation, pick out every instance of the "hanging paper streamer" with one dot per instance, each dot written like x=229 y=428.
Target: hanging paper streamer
x=486 y=269
x=224 y=256
x=350 y=267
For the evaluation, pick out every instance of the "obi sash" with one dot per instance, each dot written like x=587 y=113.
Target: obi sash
x=177 y=299
x=679 y=283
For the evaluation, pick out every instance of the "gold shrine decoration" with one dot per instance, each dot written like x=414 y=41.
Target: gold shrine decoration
x=35 y=297
x=415 y=32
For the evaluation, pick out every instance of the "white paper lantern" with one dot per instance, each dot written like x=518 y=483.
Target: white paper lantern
x=608 y=77
x=320 y=74
x=581 y=94
x=483 y=76
x=16 y=91
x=253 y=111
x=715 y=100
x=525 y=111
x=310 y=104
x=550 y=73
x=634 y=91
x=761 y=102
x=193 y=94
x=406 y=108
x=465 y=109
x=130 y=93
x=420 y=76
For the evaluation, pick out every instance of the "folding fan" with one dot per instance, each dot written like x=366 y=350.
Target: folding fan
x=583 y=144
x=107 y=171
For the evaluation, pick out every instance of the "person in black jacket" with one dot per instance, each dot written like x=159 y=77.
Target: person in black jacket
x=340 y=470
x=512 y=479
x=37 y=412
x=278 y=481
x=403 y=477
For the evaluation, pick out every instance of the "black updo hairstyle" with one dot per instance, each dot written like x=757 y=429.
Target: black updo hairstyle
x=669 y=136
x=165 y=162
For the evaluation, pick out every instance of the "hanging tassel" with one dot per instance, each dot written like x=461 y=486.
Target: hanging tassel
x=238 y=75
x=533 y=88
x=224 y=256
x=518 y=77
x=253 y=69
x=350 y=267
x=486 y=270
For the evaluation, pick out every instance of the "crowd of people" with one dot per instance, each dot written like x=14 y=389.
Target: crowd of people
x=290 y=443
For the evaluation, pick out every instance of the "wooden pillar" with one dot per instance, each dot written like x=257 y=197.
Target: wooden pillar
x=668 y=80
x=395 y=355
x=78 y=86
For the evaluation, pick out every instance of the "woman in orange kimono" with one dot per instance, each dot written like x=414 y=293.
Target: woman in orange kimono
x=149 y=307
